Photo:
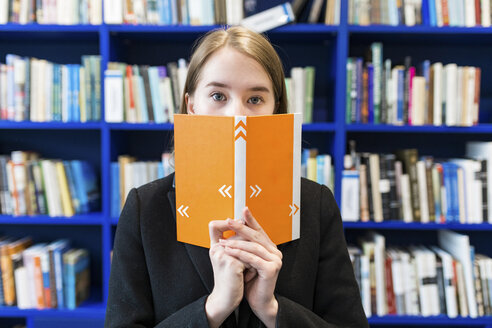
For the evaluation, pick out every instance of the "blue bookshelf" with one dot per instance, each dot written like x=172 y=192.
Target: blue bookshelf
x=328 y=48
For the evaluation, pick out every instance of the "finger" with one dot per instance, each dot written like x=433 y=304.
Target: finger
x=249 y=275
x=250 y=220
x=250 y=247
x=216 y=229
x=265 y=268
x=250 y=234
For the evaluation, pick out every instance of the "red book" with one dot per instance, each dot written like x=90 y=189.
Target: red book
x=445 y=12
x=390 y=292
x=478 y=15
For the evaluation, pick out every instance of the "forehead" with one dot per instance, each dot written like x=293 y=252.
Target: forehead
x=228 y=65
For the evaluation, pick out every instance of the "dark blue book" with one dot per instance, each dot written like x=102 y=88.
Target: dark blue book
x=370 y=96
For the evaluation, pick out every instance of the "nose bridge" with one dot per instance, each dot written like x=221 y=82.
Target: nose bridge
x=237 y=107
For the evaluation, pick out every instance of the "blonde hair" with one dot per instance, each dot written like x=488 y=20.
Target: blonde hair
x=246 y=42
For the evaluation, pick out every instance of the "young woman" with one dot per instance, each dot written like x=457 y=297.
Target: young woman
x=246 y=280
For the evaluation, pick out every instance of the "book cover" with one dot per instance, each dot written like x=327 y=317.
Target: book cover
x=226 y=163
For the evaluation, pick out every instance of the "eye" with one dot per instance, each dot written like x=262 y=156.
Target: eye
x=217 y=96
x=255 y=100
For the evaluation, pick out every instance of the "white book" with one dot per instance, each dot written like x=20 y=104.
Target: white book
x=426 y=279
x=422 y=187
x=409 y=11
x=462 y=293
x=270 y=18
x=40 y=86
x=350 y=195
x=182 y=73
x=458 y=246
x=451 y=71
x=485 y=10
x=459 y=95
x=379 y=263
x=168 y=96
x=163 y=99
x=95 y=12
x=298 y=77
x=113 y=96
x=470 y=13
x=113 y=11
x=397 y=275
x=33 y=101
x=409 y=284
x=470 y=96
x=234 y=12
x=376 y=194
x=48 y=92
x=461 y=195
x=4 y=11
x=196 y=11
x=439 y=18
x=129 y=177
x=24 y=12
x=437 y=99
x=19 y=82
x=21 y=290
x=139 y=11
x=449 y=288
x=418 y=100
x=336 y=17
x=53 y=197
x=483 y=151
x=473 y=190
x=488 y=268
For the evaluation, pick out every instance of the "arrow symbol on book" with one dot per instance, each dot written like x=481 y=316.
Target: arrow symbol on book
x=225 y=192
x=294 y=209
x=254 y=191
x=240 y=130
x=182 y=211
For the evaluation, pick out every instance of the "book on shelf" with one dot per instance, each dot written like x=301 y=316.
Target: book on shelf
x=459 y=13
x=385 y=12
x=425 y=94
x=128 y=173
x=411 y=188
x=449 y=279
x=38 y=90
x=67 y=12
x=37 y=186
x=218 y=12
x=43 y=276
x=143 y=94
x=300 y=91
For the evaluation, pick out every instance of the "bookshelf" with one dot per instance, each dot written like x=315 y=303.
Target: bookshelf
x=328 y=48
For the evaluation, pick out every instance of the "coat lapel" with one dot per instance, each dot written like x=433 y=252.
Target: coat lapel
x=198 y=255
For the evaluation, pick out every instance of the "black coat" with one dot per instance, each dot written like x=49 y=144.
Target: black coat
x=157 y=281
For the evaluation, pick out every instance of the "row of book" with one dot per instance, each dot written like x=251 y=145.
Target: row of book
x=432 y=94
x=317 y=167
x=42 y=91
x=66 y=12
x=128 y=173
x=30 y=185
x=459 y=13
x=300 y=91
x=451 y=280
x=210 y=12
x=462 y=13
x=409 y=188
x=44 y=275
x=385 y=12
x=142 y=94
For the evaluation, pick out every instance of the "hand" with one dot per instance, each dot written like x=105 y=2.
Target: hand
x=255 y=249
x=228 y=278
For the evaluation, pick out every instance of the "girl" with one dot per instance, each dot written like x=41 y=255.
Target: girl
x=244 y=281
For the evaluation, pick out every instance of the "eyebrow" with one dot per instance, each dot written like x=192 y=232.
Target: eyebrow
x=222 y=85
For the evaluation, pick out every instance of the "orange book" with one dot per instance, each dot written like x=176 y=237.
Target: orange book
x=224 y=163
x=38 y=281
x=7 y=268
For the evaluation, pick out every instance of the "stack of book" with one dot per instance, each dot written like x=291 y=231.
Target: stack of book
x=42 y=91
x=143 y=94
x=66 y=12
x=30 y=185
x=459 y=13
x=43 y=276
x=300 y=91
x=128 y=173
x=409 y=188
x=385 y=12
x=449 y=280
x=433 y=94
x=317 y=167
